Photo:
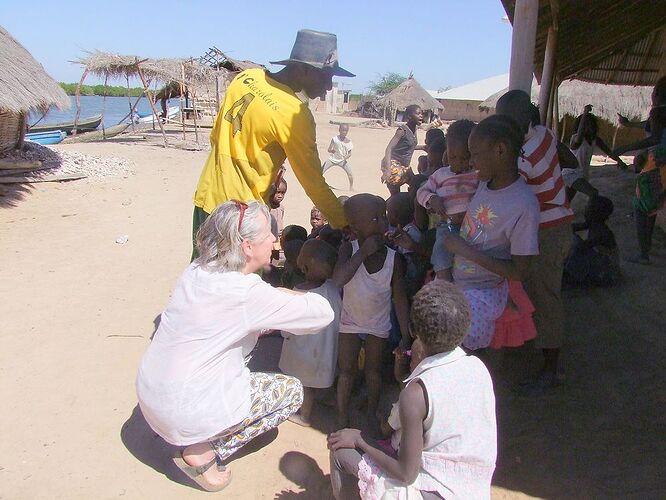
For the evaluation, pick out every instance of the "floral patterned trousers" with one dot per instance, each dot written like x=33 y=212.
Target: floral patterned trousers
x=274 y=397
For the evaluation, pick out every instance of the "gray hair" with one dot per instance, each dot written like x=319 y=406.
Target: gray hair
x=219 y=238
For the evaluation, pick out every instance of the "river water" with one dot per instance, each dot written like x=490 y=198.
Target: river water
x=115 y=110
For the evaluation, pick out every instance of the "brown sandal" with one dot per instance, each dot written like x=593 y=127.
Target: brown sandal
x=196 y=473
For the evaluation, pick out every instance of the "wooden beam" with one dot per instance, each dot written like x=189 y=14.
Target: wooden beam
x=146 y=90
x=523 y=38
x=78 y=99
x=548 y=75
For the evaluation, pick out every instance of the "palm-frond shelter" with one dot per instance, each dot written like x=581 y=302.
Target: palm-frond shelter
x=25 y=87
x=407 y=93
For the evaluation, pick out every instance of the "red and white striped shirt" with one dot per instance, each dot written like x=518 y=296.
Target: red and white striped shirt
x=540 y=165
x=456 y=189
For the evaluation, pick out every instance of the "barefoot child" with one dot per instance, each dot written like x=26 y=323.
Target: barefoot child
x=500 y=231
x=341 y=149
x=395 y=164
x=448 y=192
x=445 y=441
x=371 y=275
x=277 y=215
x=312 y=358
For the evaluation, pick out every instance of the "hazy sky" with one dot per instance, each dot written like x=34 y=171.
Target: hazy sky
x=443 y=42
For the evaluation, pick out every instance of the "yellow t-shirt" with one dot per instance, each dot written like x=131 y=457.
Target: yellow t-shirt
x=261 y=123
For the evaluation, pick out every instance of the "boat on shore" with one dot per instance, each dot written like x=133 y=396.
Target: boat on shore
x=172 y=111
x=84 y=125
x=46 y=138
x=97 y=135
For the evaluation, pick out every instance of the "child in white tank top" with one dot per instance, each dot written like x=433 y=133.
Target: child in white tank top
x=371 y=275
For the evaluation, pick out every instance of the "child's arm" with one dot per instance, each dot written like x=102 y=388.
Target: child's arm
x=428 y=190
x=331 y=147
x=400 y=301
x=348 y=264
x=393 y=143
x=512 y=269
x=412 y=413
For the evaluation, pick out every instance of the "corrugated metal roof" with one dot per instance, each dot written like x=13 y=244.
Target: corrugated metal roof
x=479 y=90
x=606 y=41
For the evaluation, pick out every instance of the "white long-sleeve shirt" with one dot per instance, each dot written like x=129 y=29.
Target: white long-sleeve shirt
x=192 y=382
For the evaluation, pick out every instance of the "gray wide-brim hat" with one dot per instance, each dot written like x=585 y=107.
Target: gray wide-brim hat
x=317 y=49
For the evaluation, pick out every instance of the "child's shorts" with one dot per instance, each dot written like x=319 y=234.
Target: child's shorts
x=441 y=258
x=485 y=306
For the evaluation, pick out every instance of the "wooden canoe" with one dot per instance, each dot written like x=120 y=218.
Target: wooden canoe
x=84 y=125
x=97 y=135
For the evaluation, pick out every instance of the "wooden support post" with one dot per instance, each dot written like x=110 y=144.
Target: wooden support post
x=548 y=76
x=555 y=107
x=180 y=101
x=523 y=39
x=106 y=79
x=194 y=115
x=78 y=99
x=129 y=101
x=146 y=90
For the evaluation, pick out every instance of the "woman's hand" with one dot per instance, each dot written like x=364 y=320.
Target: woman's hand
x=456 y=245
x=344 y=438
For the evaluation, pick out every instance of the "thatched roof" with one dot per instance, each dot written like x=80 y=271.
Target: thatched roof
x=607 y=100
x=113 y=65
x=217 y=59
x=606 y=41
x=410 y=92
x=24 y=82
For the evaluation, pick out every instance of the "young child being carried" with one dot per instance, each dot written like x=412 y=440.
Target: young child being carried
x=500 y=231
x=312 y=358
x=341 y=149
x=448 y=192
x=371 y=274
x=444 y=443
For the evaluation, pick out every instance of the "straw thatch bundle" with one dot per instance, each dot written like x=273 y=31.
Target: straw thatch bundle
x=103 y=64
x=410 y=92
x=607 y=100
x=25 y=87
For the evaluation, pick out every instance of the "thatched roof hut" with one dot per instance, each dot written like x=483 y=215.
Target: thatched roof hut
x=25 y=87
x=410 y=92
x=608 y=100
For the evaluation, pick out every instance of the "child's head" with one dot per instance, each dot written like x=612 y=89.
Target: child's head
x=400 y=209
x=293 y=232
x=291 y=250
x=436 y=152
x=433 y=134
x=599 y=209
x=366 y=214
x=331 y=236
x=343 y=199
x=413 y=114
x=494 y=146
x=518 y=105
x=278 y=193
x=317 y=260
x=317 y=219
x=457 y=151
x=343 y=130
x=440 y=316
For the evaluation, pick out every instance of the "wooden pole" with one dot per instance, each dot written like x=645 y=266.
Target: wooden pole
x=106 y=79
x=129 y=101
x=132 y=108
x=194 y=115
x=523 y=39
x=146 y=90
x=548 y=76
x=555 y=107
x=182 y=114
x=78 y=99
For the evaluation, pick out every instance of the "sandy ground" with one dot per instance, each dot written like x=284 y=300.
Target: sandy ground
x=78 y=310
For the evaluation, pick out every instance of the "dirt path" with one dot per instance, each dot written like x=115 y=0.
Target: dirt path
x=78 y=311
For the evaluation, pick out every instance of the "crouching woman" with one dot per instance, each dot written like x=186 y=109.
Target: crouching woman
x=193 y=385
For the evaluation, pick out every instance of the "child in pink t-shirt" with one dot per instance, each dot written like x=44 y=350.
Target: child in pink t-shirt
x=448 y=192
x=500 y=231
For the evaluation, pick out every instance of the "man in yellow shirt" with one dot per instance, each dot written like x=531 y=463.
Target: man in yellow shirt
x=262 y=122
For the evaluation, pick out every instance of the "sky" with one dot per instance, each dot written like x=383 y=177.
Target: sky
x=443 y=43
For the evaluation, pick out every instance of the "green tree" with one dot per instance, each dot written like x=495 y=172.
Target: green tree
x=386 y=83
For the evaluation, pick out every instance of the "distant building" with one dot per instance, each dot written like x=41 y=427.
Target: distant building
x=336 y=102
x=463 y=102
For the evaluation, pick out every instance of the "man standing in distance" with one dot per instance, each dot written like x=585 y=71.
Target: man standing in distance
x=262 y=122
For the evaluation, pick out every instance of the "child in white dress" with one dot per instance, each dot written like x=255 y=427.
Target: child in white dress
x=312 y=358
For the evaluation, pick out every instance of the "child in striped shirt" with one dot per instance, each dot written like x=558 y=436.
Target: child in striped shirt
x=448 y=192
